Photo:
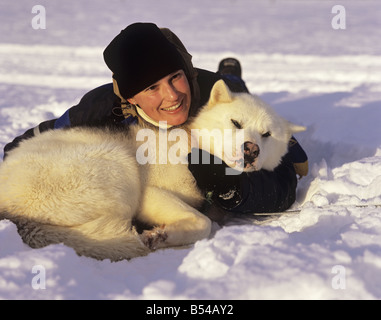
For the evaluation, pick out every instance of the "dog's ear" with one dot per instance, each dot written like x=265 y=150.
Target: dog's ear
x=220 y=94
x=294 y=128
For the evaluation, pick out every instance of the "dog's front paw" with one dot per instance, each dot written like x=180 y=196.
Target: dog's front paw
x=152 y=238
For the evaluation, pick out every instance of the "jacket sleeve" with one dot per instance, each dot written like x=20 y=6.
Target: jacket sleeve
x=46 y=125
x=94 y=109
x=264 y=191
x=246 y=192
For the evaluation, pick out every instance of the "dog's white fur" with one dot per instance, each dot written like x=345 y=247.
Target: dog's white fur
x=84 y=186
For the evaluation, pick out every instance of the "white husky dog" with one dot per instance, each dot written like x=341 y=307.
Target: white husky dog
x=85 y=187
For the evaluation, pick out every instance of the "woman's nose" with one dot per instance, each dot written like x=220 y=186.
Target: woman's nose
x=170 y=93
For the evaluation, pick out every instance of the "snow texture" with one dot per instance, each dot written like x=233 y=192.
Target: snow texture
x=326 y=79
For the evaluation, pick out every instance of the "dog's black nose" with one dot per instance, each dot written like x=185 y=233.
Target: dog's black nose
x=251 y=153
x=251 y=150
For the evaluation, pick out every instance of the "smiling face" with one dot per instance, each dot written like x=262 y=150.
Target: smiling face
x=168 y=99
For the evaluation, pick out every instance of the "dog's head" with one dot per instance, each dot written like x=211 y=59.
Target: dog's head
x=242 y=130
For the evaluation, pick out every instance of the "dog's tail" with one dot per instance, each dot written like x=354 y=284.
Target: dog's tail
x=120 y=245
x=99 y=239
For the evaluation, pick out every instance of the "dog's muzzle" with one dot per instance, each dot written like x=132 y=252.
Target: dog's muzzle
x=251 y=152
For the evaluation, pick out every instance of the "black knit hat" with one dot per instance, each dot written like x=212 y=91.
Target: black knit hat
x=139 y=56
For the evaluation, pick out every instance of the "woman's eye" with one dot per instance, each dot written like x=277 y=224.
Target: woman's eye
x=176 y=76
x=151 y=88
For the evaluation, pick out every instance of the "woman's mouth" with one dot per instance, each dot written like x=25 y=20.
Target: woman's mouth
x=172 y=108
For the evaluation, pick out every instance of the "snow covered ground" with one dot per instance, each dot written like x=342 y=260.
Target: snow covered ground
x=314 y=75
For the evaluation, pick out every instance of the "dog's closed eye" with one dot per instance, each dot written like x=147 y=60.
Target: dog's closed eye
x=266 y=134
x=236 y=124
